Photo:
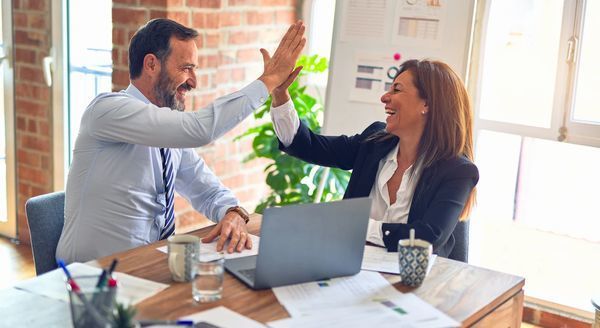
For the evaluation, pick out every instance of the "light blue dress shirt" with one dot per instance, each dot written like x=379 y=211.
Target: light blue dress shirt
x=115 y=195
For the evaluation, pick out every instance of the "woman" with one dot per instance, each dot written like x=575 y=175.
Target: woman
x=416 y=167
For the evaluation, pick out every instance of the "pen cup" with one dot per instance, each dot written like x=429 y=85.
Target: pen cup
x=91 y=306
x=413 y=261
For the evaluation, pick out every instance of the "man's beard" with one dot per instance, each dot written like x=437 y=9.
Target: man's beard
x=166 y=92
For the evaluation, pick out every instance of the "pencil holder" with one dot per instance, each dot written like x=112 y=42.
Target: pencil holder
x=91 y=306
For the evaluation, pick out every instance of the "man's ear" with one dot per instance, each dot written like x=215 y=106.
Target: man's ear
x=151 y=64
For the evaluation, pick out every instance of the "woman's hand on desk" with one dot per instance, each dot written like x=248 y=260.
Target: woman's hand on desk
x=233 y=227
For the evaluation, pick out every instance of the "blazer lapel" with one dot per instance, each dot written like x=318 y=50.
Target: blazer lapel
x=365 y=173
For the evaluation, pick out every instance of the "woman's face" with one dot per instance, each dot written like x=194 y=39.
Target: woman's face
x=406 y=111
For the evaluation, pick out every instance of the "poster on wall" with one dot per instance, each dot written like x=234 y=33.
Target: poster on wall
x=373 y=76
x=419 y=23
x=364 y=20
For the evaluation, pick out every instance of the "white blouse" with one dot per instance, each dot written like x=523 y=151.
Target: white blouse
x=286 y=124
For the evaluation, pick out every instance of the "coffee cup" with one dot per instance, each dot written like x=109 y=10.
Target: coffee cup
x=182 y=253
x=413 y=258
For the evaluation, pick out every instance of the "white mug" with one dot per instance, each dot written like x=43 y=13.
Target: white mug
x=183 y=251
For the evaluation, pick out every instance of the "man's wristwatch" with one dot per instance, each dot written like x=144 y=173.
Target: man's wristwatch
x=241 y=211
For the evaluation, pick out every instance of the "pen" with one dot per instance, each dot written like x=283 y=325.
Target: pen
x=144 y=323
x=101 y=279
x=112 y=266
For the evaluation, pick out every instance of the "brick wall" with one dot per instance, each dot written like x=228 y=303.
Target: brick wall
x=231 y=32
x=33 y=107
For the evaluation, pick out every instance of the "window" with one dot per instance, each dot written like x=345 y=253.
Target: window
x=8 y=220
x=537 y=133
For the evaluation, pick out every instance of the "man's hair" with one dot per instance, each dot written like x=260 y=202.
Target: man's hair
x=154 y=38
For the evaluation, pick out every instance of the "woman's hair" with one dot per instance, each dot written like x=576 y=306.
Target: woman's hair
x=448 y=131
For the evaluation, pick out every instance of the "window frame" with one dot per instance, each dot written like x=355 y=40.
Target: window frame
x=9 y=228
x=562 y=127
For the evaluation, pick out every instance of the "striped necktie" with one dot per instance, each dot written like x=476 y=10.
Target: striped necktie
x=168 y=178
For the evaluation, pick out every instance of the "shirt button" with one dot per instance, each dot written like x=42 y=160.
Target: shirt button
x=262 y=99
x=387 y=232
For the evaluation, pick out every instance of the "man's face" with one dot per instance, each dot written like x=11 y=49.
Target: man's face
x=177 y=75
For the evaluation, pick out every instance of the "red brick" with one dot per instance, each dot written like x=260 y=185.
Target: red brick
x=32 y=126
x=238 y=74
x=153 y=3
x=120 y=77
x=38 y=21
x=129 y=16
x=182 y=17
x=243 y=37
x=175 y=3
x=20 y=20
x=236 y=181
x=204 y=3
x=125 y=2
x=27 y=74
x=21 y=123
x=230 y=19
x=118 y=36
x=285 y=17
x=31 y=108
x=44 y=128
x=35 y=176
x=154 y=13
x=212 y=40
x=259 y=17
x=275 y=2
x=243 y=2
x=226 y=58
x=248 y=55
x=45 y=162
x=25 y=55
x=28 y=158
x=30 y=38
x=40 y=5
x=35 y=143
x=205 y=20
x=223 y=76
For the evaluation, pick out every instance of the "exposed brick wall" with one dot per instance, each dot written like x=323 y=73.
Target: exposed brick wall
x=231 y=32
x=33 y=105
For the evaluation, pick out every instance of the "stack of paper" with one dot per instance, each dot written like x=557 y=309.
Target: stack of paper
x=365 y=299
x=131 y=290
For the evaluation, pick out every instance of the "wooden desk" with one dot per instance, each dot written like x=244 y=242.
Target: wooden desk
x=471 y=295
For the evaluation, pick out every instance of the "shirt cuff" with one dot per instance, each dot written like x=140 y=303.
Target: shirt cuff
x=257 y=93
x=374 y=234
x=223 y=210
x=285 y=122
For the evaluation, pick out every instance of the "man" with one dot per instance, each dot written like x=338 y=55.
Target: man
x=135 y=147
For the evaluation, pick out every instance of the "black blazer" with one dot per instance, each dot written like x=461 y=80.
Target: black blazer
x=439 y=197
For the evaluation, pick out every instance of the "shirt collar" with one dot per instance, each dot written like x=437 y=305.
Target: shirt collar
x=393 y=155
x=132 y=90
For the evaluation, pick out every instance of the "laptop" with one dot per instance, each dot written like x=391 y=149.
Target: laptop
x=308 y=242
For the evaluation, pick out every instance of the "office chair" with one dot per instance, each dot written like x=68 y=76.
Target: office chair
x=46 y=217
x=461 y=242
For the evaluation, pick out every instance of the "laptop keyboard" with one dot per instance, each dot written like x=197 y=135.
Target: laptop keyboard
x=248 y=273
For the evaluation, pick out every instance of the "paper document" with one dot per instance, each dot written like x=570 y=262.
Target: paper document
x=52 y=284
x=301 y=299
x=358 y=301
x=379 y=259
x=406 y=311
x=223 y=317
x=206 y=248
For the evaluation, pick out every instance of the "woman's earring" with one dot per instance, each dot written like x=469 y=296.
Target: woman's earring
x=423 y=112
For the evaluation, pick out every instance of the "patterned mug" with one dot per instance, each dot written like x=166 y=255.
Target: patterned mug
x=413 y=261
x=183 y=251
